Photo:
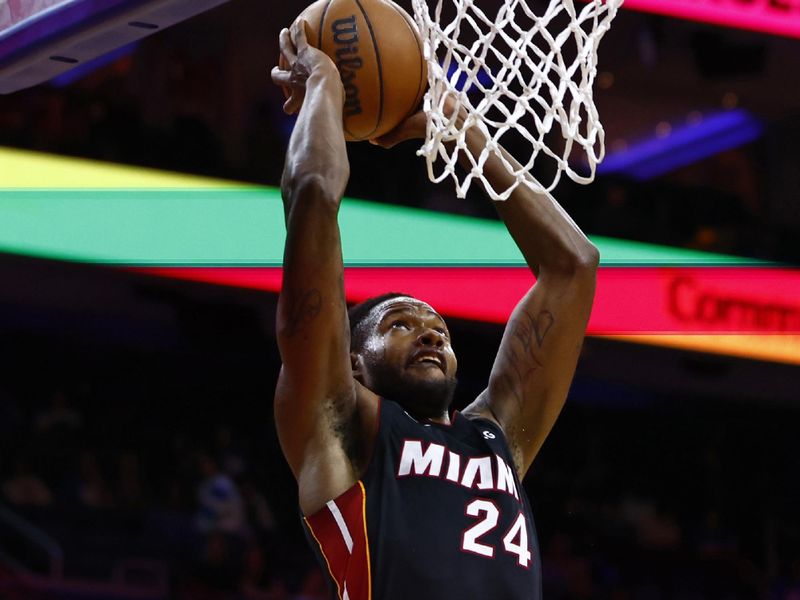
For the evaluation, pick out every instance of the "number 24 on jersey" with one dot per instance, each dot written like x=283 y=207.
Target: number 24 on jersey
x=515 y=541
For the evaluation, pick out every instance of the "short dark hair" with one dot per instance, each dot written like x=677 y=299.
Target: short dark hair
x=359 y=313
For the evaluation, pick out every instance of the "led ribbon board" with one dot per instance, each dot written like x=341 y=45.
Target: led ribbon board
x=779 y=17
x=640 y=300
x=229 y=234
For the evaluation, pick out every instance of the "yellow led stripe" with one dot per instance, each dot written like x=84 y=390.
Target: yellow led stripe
x=21 y=169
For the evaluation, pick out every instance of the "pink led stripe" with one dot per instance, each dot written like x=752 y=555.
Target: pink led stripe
x=781 y=17
x=636 y=300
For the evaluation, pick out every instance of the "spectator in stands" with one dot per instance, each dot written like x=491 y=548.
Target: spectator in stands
x=258 y=511
x=57 y=430
x=654 y=529
x=714 y=541
x=254 y=583
x=24 y=488
x=58 y=415
x=130 y=490
x=229 y=456
x=314 y=586
x=92 y=489
x=220 y=566
x=220 y=506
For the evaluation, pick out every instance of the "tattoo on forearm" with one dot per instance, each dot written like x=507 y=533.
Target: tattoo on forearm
x=527 y=336
x=518 y=376
x=528 y=328
x=303 y=312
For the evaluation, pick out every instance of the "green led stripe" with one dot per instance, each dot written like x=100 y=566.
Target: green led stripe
x=244 y=226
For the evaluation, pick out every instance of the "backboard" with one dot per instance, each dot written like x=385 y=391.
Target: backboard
x=41 y=39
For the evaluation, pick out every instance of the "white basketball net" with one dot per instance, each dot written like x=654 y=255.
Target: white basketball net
x=516 y=75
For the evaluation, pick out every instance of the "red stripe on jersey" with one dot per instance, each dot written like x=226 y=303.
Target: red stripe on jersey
x=340 y=529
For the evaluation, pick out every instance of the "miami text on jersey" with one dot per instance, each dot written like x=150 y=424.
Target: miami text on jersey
x=481 y=472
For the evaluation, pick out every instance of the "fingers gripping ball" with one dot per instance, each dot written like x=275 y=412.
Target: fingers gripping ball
x=378 y=52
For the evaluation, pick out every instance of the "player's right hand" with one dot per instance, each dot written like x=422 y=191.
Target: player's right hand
x=298 y=62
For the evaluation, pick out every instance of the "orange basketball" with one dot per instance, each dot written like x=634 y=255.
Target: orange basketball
x=378 y=52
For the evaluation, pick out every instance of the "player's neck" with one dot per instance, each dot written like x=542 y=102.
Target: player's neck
x=443 y=419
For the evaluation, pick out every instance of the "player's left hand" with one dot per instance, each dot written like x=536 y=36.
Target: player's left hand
x=413 y=128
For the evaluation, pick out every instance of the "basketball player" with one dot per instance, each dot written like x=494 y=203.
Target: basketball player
x=401 y=500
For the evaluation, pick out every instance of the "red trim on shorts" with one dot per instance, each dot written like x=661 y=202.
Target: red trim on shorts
x=340 y=529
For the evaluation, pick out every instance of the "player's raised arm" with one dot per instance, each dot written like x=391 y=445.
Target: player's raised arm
x=315 y=394
x=539 y=351
x=536 y=362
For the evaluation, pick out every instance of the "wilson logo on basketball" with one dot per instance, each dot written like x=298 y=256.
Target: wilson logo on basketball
x=345 y=37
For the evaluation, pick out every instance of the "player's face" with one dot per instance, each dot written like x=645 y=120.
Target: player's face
x=407 y=356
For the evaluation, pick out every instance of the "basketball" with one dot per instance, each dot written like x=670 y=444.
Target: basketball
x=378 y=52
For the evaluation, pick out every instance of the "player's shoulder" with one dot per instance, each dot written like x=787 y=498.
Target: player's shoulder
x=486 y=425
x=481 y=410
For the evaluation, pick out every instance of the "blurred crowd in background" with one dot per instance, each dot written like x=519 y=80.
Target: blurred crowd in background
x=129 y=461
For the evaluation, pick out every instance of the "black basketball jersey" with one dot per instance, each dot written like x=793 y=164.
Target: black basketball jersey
x=438 y=514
